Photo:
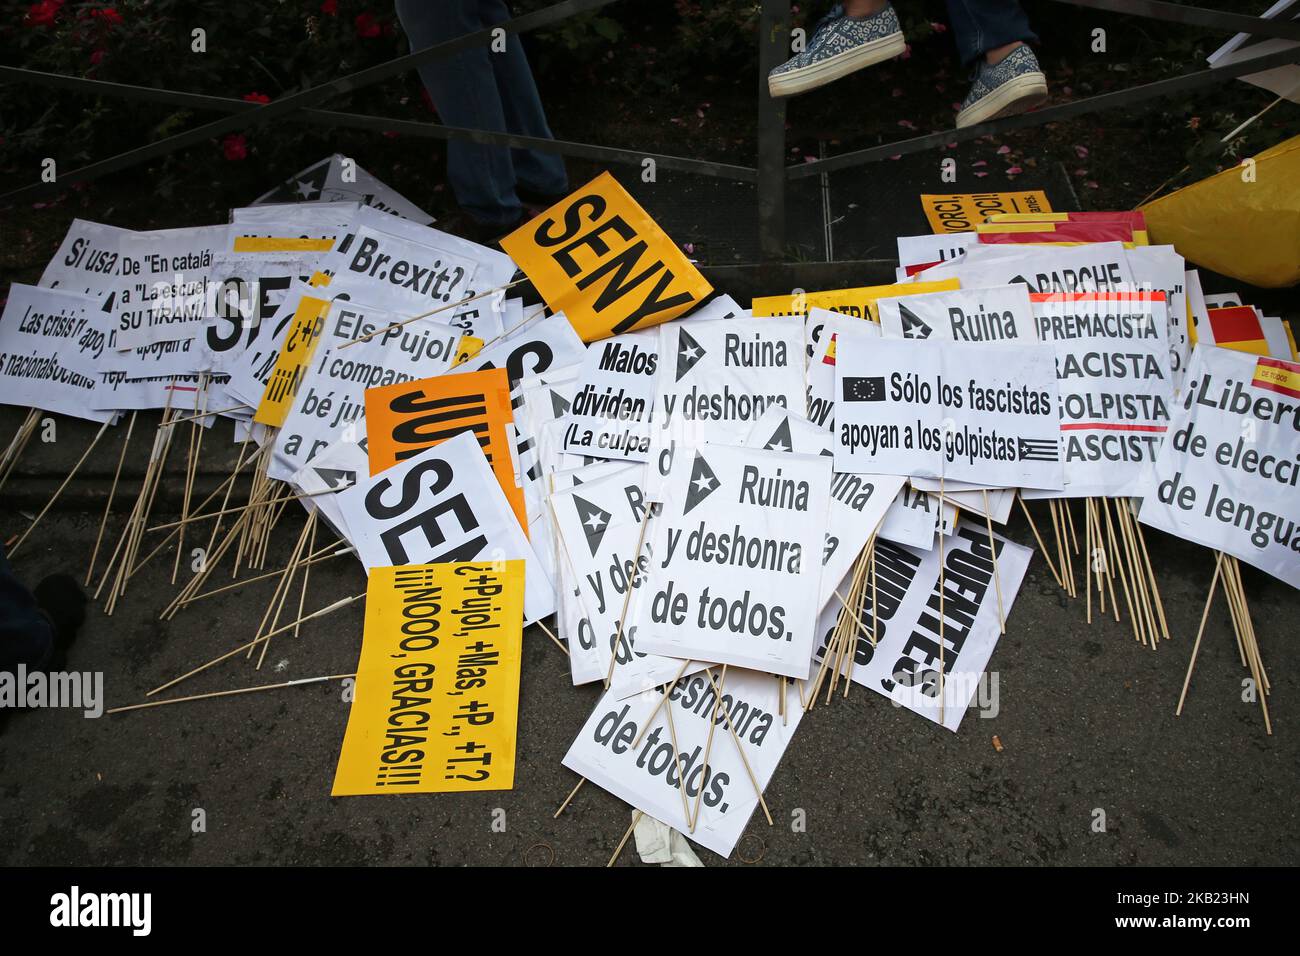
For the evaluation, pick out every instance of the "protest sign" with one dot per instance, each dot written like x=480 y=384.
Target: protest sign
x=541 y=343
x=857 y=502
x=50 y=343
x=404 y=419
x=337 y=380
x=859 y=302
x=653 y=775
x=1227 y=474
x=426 y=274
x=293 y=358
x=991 y=314
x=337 y=467
x=599 y=258
x=338 y=178
x=718 y=378
x=982 y=413
x=436 y=703
x=251 y=364
x=600 y=525
x=737 y=572
x=820 y=374
x=245 y=292
x=1092 y=267
x=1161 y=269
x=614 y=397
x=442 y=505
x=915 y=252
x=1064 y=233
x=1112 y=367
x=573 y=624
x=164 y=294
x=915 y=517
x=962 y=212
x=89 y=260
x=910 y=651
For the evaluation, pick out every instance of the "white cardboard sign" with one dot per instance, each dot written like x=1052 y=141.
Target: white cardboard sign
x=442 y=505
x=50 y=343
x=980 y=413
x=905 y=662
x=1227 y=474
x=737 y=551
x=650 y=776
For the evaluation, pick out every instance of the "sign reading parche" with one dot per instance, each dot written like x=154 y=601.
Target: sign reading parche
x=1228 y=472
x=737 y=558
x=980 y=413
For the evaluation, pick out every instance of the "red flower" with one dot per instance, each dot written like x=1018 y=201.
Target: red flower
x=257 y=98
x=235 y=147
x=108 y=15
x=367 y=26
x=43 y=14
x=330 y=8
x=97 y=57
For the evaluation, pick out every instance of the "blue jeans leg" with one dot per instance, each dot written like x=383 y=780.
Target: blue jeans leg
x=983 y=25
x=473 y=90
x=26 y=635
x=536 y=170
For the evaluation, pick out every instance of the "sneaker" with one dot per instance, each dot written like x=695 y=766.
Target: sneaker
x=839 y=46
x=1013 y=86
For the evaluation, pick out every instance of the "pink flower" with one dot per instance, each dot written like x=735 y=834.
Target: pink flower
x=235 y=147
x=43 y=14
x=1081 y=151
x=1014 y=170
x=1003 y=150
x=367 y=26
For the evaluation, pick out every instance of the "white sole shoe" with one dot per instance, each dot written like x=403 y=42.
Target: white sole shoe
x=1016 y=95
x=842 y=64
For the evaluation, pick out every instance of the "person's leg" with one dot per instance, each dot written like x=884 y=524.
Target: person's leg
x=26 y=634
x=988 y=28
x=464 y=92
x=853 y=35
x=993 y=36
x=536 y=172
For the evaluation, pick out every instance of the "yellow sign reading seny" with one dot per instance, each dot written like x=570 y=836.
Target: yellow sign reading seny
x=436 y=705
x=599 y=258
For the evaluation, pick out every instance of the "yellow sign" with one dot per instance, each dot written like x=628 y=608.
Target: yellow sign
x=436 y=703
x=860 y=302
x=470 y=345
x=599 y=258
x=962 y=212
x=291 y=364
x=281 y=244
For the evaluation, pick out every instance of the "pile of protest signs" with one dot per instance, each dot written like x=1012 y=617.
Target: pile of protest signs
x=721 y=515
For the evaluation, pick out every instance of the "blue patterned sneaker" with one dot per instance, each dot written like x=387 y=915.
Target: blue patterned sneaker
x=1013 y=86
x=840 y=45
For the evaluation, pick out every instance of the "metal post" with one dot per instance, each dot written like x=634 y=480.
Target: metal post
x=773 y=49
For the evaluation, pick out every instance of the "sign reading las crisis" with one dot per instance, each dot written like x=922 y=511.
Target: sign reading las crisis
x=599 y=258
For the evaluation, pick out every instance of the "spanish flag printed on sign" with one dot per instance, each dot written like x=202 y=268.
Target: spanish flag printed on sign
x=1277 y=376
x=1238 y=327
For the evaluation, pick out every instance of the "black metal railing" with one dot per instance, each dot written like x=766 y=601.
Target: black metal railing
x=770 y=173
